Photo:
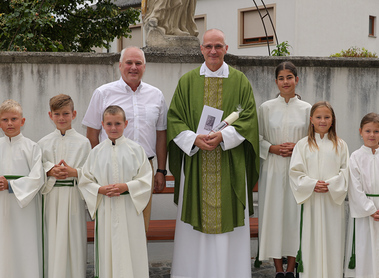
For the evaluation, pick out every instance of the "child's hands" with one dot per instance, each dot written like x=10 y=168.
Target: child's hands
x=321 y=187
x=3 y=183
x=284 y=150
x=62 y=171
x=72 y=172
x=375 y=215
x=112 y=190
x=58 y=171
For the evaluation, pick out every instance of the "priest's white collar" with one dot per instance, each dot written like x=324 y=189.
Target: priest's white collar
x=222 y=72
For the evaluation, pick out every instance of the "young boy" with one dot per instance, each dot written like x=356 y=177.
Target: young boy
x=64 y=152
x=116 y=185
x=21 y=177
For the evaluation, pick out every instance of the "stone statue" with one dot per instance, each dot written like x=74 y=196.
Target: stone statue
x=164 y=18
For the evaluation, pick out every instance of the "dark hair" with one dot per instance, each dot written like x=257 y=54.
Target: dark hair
x=370 y=118
x=332 y=134
x=285 y=66
x=114 y=110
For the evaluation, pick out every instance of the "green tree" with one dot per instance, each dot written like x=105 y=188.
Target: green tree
x=62 y=25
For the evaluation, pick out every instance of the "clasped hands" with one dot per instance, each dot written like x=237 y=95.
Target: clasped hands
x=113 y=190
x=207 y=142
x=321 y=187
x=62 y=171
x=284 y=150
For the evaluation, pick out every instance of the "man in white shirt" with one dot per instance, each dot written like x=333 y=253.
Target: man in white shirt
x=145 y=109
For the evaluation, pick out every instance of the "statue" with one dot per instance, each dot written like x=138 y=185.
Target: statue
x=164 y=19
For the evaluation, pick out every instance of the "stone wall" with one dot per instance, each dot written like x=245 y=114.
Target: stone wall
x=351 y=85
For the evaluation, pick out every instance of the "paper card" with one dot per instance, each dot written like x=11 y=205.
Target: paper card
x=210 y=117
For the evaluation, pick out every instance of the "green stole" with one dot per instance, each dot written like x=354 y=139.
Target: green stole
x=211 y=170
x=234 y=168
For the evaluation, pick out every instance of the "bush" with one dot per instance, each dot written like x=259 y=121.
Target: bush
x=282 y=49
x=355 y=52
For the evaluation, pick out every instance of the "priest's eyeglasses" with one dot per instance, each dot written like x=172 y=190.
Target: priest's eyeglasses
x=209 y=47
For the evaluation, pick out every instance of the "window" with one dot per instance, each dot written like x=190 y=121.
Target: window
x=371 y=27
x=251 y=29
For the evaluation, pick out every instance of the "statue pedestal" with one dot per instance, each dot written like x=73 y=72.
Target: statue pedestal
x=156 y=38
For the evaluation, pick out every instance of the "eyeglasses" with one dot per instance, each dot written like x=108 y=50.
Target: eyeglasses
x=210 y=47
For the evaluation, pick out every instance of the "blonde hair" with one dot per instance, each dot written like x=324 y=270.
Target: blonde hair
x=332 y=134
x=10 y=105
x=59 y=101
x=114 y=110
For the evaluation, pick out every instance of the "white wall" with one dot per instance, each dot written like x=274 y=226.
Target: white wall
x=312 y=28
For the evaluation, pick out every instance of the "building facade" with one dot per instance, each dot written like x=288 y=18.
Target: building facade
x=311 y=28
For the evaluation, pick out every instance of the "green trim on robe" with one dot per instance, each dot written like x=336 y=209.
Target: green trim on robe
x=184 y=114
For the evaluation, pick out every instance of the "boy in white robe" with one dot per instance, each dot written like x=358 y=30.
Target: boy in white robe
x=116 y=185
x=21 y=178
x=64 y=152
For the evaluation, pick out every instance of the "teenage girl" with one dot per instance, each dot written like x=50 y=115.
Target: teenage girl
x=364 y=199
x=282 y=122
x=319 y=177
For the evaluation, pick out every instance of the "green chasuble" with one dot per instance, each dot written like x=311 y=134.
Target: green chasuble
x=226 y=170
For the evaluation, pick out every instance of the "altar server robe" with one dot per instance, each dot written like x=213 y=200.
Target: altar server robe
x=279 y=122
x=64 y=211
x=20 y=212
x=364 y=179
x=323 y=231
x=120 y=235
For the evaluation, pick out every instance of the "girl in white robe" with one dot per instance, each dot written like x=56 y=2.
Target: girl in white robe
x=318 y=179
x=282 y=122
x=116 y=185
x=364 y=201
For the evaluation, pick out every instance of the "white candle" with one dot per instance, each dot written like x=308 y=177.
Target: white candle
x=232 y=118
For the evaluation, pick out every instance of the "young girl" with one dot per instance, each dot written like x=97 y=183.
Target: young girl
x=318 y=176
x=282 y=122
x=364 y=198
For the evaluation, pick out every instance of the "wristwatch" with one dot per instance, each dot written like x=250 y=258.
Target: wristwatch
x=164 y=172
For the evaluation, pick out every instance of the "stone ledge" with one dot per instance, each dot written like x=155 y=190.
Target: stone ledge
x=181 y=55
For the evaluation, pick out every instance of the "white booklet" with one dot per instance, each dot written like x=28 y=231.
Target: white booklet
x=210 y=117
